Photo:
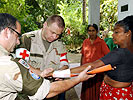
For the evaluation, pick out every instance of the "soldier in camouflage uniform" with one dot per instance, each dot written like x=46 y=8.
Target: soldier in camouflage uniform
x=46 y=50
x=16 y=76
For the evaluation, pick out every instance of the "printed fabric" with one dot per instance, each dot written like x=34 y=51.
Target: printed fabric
x=110 y=93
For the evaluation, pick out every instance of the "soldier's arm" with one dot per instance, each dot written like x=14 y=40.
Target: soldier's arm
x=43 y=73
x=60 y=50
x=61 y=86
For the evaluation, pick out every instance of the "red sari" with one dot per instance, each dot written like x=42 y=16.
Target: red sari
x=92 y=52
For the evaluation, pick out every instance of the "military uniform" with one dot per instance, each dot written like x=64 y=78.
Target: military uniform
x=15 y=78
x=40 y=57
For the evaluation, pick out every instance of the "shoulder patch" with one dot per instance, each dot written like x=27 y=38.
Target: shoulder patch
x=24 y=63
x=27 y=66
x=36 y=77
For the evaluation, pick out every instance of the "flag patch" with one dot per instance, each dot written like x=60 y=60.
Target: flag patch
x=36 y=77
x=24 y=63
x=27 y=66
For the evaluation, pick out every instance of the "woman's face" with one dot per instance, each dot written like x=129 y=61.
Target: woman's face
x=92 y=31
x=119 y=36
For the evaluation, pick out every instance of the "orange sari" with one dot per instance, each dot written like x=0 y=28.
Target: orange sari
x=91 y=52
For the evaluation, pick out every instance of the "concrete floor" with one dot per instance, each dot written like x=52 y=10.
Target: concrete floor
x=74 y=60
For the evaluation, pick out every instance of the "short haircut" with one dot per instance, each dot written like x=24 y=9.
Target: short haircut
x=56 y=18
x=93 y=25
x=7 y=20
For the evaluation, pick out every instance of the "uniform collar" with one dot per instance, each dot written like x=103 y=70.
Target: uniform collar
x=3 y=51
x=41 y=35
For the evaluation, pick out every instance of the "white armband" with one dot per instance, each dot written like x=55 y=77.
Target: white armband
x=62 y=73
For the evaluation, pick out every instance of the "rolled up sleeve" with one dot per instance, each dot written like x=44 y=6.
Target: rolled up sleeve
x=42 y=91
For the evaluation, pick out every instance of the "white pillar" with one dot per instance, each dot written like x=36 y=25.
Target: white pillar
x=94 y=12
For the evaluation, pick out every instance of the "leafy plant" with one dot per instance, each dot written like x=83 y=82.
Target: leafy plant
x=72 y=14
x=18 y=8
x=32 y=14
x=108 y=14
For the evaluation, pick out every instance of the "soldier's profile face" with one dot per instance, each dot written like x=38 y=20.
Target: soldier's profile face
x=14 y=38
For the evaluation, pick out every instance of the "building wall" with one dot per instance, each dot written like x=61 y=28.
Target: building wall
x=125 y=8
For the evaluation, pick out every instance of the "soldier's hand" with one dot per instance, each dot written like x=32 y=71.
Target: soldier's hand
x=83 y=76
x=47 y=72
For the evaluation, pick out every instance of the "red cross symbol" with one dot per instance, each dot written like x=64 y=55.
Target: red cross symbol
x=24 y=54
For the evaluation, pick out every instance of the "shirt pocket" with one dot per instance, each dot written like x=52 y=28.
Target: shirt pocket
x=36 y=60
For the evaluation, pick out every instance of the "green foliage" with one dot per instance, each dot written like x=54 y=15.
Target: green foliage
x=32 y=14
x=18 y=9
x=13 y=7
x=108 y=14
x=72 y=14
x=28 y=24
x=41 y=9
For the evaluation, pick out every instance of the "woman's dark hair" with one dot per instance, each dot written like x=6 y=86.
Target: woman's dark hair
x=127 y=24
x=93 y=25
x=7 y=20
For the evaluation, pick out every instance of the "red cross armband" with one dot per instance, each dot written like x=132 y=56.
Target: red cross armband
x=22 y=53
